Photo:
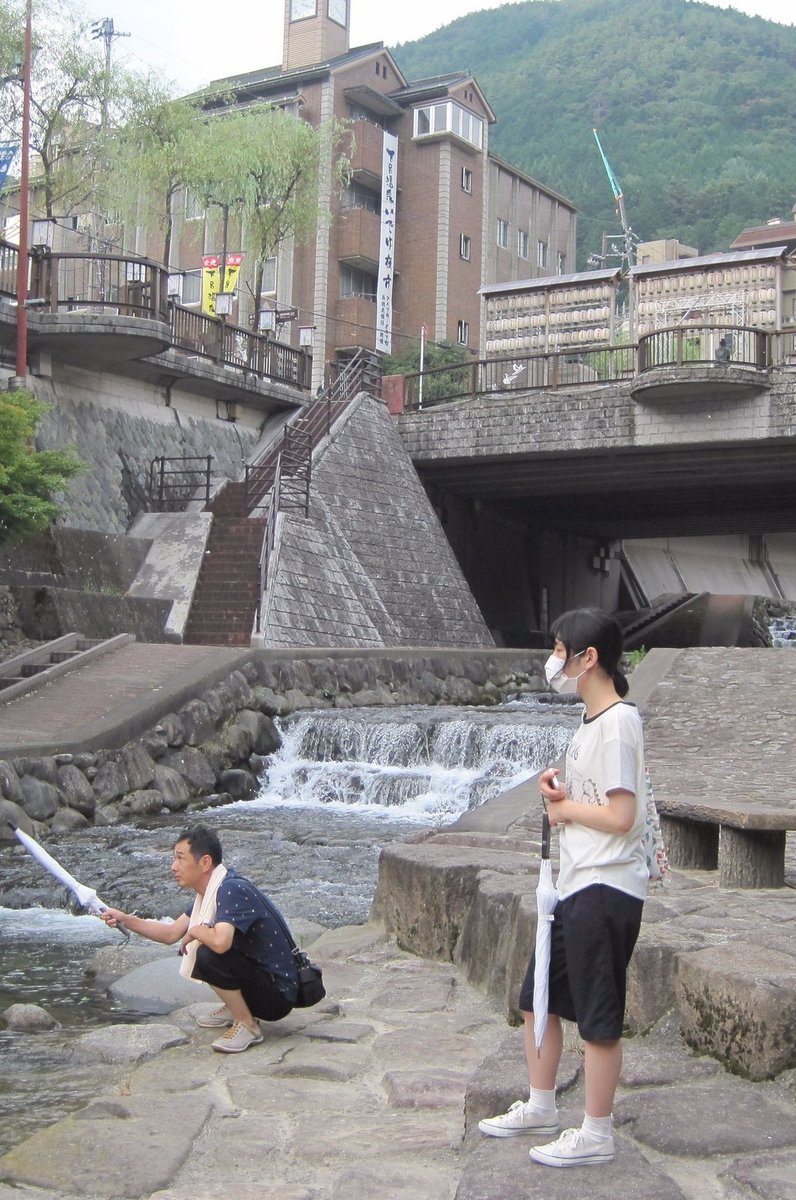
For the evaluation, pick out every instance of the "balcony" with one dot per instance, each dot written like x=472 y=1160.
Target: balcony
x=703 y=361
x=366 y=158
x=106 y=309
x=358 y=238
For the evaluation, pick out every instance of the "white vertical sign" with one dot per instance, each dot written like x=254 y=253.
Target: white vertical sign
x=387 y=250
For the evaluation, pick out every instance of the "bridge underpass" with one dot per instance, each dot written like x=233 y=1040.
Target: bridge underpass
x=543 y=497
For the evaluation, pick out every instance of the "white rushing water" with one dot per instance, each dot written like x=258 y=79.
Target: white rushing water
x=414 y=764
x=783 y=631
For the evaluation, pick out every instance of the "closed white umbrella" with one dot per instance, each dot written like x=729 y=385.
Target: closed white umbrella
x=85 y=896
x=546 y=901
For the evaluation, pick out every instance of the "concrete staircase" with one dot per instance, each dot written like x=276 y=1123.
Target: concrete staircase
x=227 y=590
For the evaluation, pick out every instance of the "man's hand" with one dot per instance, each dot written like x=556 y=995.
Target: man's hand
x=114 y=917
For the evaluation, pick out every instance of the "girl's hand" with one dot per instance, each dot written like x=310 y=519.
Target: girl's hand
x=550 y=787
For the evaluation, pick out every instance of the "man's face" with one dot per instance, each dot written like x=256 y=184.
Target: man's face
x=188 y=871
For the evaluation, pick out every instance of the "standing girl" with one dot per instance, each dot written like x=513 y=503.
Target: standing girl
x=602 y=882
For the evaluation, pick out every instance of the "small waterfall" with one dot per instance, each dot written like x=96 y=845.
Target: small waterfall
x=416 y=764
x=783 y=631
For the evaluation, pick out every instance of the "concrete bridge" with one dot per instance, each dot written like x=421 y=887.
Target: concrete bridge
x=537 y=489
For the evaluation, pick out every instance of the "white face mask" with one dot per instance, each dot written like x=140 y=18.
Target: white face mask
x=565 y=685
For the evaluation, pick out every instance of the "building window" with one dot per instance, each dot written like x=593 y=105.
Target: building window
x=502 y=233
x=449 y=117
x=541 y=254
x=356 y=195
x=463 y=333
x=357 y=113
x=467 y=180
x=465 y=246
x=268 y=286
x=192 y=287
x=561 y=264
x=522 y=243
x=194 y=209
x=354 y=282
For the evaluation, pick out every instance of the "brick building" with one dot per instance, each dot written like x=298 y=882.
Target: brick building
x=462 y=216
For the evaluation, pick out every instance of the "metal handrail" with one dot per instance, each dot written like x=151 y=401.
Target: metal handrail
x=269 y=541
x=705 y=344
x=315 y=420
x=173 y=483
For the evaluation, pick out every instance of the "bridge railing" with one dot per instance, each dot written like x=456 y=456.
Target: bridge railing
x=691 y=345
x=521 y=373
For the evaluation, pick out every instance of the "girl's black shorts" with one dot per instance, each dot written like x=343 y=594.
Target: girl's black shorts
x=593 y=935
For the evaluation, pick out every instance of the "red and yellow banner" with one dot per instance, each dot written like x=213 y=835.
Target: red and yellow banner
x=211 y=279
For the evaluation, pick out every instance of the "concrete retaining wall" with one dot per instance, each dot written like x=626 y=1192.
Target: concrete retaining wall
x=370 y=565
x=103 y=416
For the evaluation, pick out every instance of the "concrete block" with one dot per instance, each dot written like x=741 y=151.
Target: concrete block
x=740 y=1007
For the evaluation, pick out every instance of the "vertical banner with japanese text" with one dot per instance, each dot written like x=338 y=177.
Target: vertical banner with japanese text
x=7 y=156
x=211 y=279
x=387 y=249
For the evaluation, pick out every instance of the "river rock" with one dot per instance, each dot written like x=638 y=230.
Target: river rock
x=69 y=820
x=139 y=766
x=28 y=1018
x=197 y=722
x=155 y=744
x=84 y=760
x=76 y=790
x=142 y=803
x=11 y=814
x=112 y=962
x=39 y=768
x=157 y=987
x=240 y=784
x=194 y=768
x=173 y=788
x=10 y=787
x=237 y=743
x=171 y=728
x=240 y=690
x=40 y=800
x=126 y=1043
x=220 y=703
x=267 y=701
x=110 y=782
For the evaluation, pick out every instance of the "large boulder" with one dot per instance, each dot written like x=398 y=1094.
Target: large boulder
x=157 y=987
x=40 y=800
x=76 y=790
x=11 y=816
x=10 y=787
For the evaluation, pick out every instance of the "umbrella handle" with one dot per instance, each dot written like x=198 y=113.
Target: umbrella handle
x=545 y=835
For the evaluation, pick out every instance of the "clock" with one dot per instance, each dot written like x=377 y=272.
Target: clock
x=338 y=11
x=299 y=9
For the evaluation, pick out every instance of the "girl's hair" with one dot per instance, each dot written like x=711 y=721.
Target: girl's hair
x=584 y=627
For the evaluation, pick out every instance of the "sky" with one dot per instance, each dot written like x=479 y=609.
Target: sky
x=194 y=41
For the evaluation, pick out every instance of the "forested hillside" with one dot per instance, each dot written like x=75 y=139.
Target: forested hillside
x=695 y=107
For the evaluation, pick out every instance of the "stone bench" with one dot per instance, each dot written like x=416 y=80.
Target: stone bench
x=746 y=842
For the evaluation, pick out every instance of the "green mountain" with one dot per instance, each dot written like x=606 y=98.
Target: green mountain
x=695 y=107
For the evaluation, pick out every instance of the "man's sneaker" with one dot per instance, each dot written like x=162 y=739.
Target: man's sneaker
x=574 y=1149
x=521 y=1118
x=216 y=1019
x=237 y=1039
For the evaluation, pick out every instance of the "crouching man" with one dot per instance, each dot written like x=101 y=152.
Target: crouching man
x=231 y=938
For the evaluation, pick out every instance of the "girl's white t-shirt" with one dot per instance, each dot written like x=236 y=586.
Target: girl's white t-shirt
x=606 y=753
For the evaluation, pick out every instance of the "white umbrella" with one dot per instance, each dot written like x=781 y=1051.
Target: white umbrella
x=85 y=896
x=546 y=900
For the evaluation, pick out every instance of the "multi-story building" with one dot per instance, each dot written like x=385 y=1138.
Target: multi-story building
x=428 y=216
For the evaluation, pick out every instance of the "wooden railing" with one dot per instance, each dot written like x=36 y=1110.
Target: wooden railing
x=121 y=285
x=685 y=346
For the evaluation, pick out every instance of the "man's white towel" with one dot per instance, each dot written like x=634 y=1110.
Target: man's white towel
x=202 y=913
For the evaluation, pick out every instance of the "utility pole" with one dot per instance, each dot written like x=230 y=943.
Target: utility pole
x=20 y=379
x=104 y=29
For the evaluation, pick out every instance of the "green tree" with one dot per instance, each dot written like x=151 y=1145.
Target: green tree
x=68 y=86
x=29 y=478
x=269 y=167
x=441 y=383
x=153 y=155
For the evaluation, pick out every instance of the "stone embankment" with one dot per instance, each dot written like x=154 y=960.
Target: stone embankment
x=212 y=749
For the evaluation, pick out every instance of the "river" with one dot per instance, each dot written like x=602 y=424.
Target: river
x=343 y=784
